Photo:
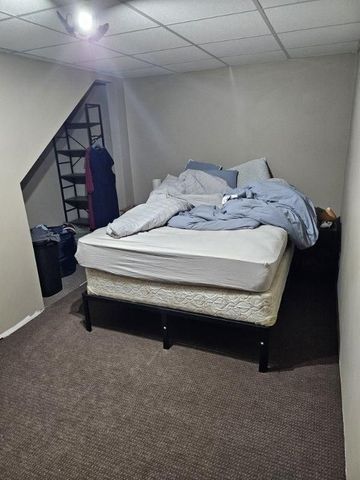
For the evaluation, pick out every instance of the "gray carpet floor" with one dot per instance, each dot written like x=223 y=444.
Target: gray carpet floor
x=113 y=405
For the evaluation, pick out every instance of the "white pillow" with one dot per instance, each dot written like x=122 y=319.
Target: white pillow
x=252 y=171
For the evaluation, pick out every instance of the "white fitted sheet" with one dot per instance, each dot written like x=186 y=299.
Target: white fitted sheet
x=239 y=259
x=260 y=308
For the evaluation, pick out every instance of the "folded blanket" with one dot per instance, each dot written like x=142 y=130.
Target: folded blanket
x=268 y=202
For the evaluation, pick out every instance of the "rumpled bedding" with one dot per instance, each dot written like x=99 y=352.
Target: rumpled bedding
x=197 y=200
x=269 y=202
x=175 y=194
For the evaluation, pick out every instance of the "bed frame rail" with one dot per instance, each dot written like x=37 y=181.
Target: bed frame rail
x=263 y=332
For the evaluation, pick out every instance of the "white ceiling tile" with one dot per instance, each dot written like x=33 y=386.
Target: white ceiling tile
x=115 y=64
x=194 y=66
x=19 y=35
x=48 y=18
x=74 y=53
x=223 y=28
x=242 y=46
x=314 y=14
x=121 y=18
x=145 y=72
x=256 y=58
x=174 y=55
x=143 y=41
x=321 y=36
x=168 y=12
x=20 y=7
x=349 y=47
x=276 y=3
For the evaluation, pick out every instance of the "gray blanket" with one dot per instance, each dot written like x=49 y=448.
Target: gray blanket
x=268 y=202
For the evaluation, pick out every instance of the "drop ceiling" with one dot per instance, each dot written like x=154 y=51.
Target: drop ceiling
x=155 y=37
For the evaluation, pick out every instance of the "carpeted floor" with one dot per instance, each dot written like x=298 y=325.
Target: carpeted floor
x=113 y=405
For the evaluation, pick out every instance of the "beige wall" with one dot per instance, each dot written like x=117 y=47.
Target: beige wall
x=120 y=143
x=296 y=113
x=42 y=195
x=35 y=98
x=349 y=300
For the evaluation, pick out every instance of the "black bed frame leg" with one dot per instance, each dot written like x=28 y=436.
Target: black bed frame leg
x=165 y=331
x=86 y=311
x=264 y=350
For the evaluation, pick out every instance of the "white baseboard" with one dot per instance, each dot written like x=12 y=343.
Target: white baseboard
x=20 y=324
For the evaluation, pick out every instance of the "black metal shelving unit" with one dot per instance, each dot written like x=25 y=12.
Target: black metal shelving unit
x=70 y=152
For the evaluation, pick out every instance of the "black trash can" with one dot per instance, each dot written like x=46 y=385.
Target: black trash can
x=67 y=250
x=47 y=261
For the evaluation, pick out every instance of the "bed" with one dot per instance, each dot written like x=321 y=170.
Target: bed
x=235 y=277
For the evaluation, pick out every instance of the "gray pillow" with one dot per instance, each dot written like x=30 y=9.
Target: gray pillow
x=252 y=171
x=230 y=176
x=194 y=165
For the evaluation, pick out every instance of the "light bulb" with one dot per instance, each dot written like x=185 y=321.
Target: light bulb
x=85 y=21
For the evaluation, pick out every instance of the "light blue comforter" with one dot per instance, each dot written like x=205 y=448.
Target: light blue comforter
x=268 y=202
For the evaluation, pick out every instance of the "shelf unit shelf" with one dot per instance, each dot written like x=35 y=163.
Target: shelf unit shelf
x=79 y=202
x=74 y=152
x=77 y=178
x=70 y=153
x=81 y=125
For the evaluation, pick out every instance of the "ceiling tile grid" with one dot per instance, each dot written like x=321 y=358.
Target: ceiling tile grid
x=242 y=46
x=18 y=35
x=313 y=51
x=205 y=64
x=174 y=55
x=21 y=7
x=318 y=13
x=153 y=37
x=170 y=12
x=278 y=3
x=143 y=41
x=121 y=18
x=265 y=57
x=249 y=24
x=116 y=64
x=79 y=52
x=321 y=36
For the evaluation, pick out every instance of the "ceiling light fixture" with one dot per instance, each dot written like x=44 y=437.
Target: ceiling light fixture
x=85 y=21
x=83 y=25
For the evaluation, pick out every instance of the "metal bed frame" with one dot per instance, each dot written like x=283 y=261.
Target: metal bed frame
x=165 y=313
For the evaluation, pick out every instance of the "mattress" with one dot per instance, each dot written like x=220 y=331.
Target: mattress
x=239 y=259
x=253 y=307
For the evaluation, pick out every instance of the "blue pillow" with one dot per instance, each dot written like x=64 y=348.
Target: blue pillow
x=230 y=176
x=193 y=165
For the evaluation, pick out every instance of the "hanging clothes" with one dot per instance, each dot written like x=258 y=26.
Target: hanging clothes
x=100 y=187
